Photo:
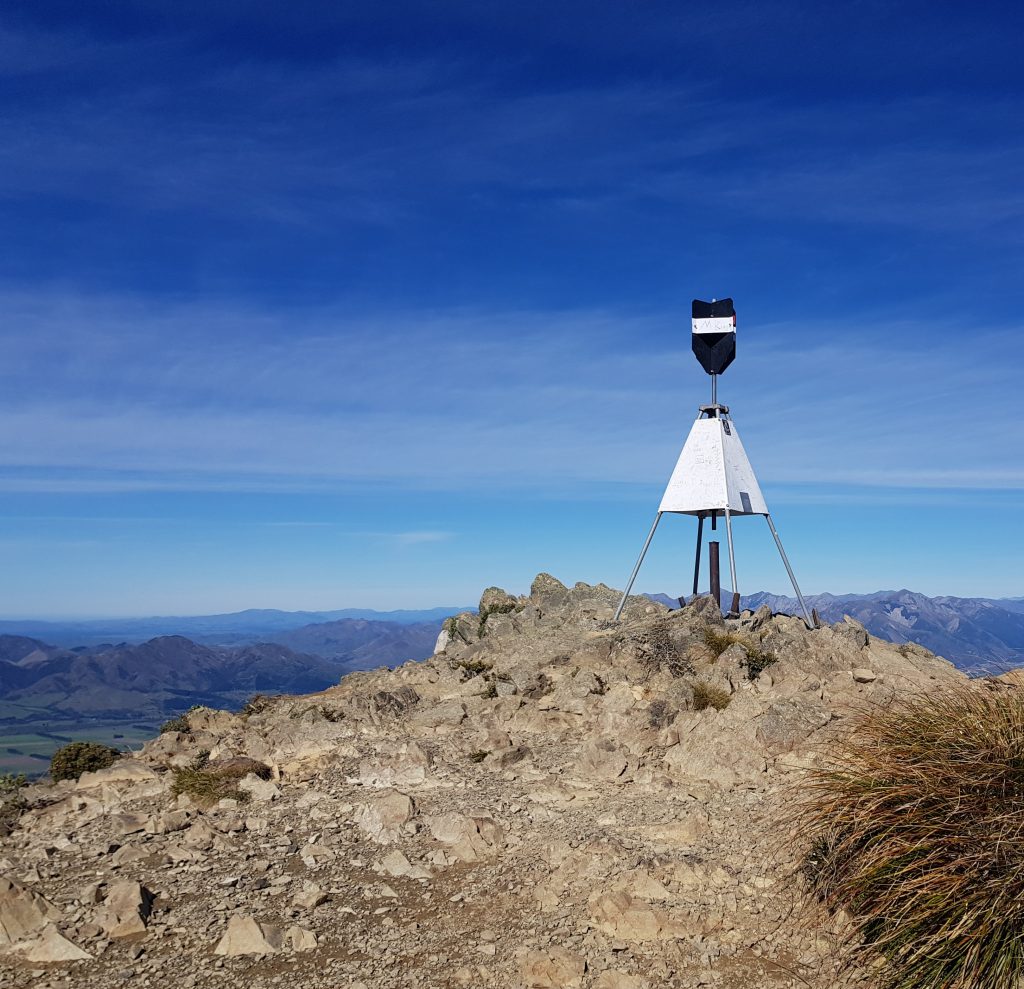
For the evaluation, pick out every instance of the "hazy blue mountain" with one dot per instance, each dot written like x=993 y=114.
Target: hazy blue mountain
x=167 y=674
x=150 y=680
x=242 y=626
x=363 y=643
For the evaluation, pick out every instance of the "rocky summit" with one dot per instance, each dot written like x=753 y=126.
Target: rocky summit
x=551 y=800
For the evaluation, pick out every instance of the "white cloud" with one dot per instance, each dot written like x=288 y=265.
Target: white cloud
x=102 y=396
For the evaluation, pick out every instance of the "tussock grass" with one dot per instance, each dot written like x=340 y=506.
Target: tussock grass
x=718 y=640
x=707 y=695
x=916 y=829
x=208 y=782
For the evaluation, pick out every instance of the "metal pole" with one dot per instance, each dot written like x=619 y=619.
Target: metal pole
x=792 y=576
x=636 y=569
x=696 y=562
x=714 y=389
x=716 y=580
x=735 y=609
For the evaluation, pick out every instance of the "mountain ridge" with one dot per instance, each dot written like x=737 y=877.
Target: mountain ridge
x=979 y=635
x=237 y=626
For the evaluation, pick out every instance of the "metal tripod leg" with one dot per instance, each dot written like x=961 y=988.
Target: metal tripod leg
x=792 y=576
x=696 y=562
x=735 y=609
x=636 y=569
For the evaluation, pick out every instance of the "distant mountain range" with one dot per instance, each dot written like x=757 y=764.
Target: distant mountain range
x=253 y=625
x=977 y=634
x=150 y=681
x=167 y=674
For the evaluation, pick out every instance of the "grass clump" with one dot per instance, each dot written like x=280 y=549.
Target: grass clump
x=207 y=782
x=717 y=640
x=707 y=695
x=70 y=761
x=916 y=829
x=479 y=755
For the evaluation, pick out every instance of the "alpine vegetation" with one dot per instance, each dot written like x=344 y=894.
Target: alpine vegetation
x=916 y=830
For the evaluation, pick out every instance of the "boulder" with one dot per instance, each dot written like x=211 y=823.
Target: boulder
x=244 y=937
x=612 y=979
x=50 y=947
x=547 y=592
x=397 y=865
x=168 y=822
x=126 y=910
x=261 y=790
x=383 y=817
x=495 y=600
x=122 y=771
x=553 y=968
x=23 y=912
x=602 y=759
x=445 y=714
x=621 y=915
x=471 y=839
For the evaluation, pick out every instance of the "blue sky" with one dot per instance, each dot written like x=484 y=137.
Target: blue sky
x=328 y=305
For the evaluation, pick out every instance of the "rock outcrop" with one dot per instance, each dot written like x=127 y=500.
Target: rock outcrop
x=551 y=800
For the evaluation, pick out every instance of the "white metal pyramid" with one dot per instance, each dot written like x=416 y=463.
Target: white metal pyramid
x=713 y=472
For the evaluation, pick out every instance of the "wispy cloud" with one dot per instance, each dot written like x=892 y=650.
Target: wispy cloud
x=113 y=398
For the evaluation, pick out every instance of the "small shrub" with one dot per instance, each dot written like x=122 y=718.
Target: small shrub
x=914 y=828
x=180 y=723
x=757 y=660
x=70 y=761
x=479 y=755
x=707 y=695
x=10 y=783
x=473 y=667
x=451 y=626
x=491 y=691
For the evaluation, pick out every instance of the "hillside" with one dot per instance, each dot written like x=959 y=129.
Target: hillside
x=552 y=800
